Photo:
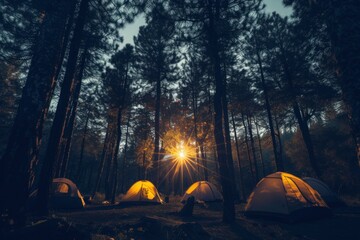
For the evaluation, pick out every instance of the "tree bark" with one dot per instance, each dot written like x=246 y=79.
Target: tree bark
x=21 y=154
x=63 y=157
x=222 y=158
x=115 y=157
x=57 y=128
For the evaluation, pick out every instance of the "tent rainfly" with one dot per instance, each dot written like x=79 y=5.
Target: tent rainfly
x=331 y=198
x=65 y=195
x=141 y=192
x=283 y=196
x=203 y=191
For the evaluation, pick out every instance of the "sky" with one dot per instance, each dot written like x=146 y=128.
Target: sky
x=132 y=29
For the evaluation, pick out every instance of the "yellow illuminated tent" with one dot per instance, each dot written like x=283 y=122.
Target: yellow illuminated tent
x=203 y=191
x=142 y=192
x=282 y=195
x=65 y=194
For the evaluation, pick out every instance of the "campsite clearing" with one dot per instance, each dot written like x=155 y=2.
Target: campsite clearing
x=127 y=223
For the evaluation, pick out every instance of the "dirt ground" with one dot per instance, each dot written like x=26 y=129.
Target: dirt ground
x=106 y=222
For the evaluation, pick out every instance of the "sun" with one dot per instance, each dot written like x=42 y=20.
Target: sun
x=181 y=154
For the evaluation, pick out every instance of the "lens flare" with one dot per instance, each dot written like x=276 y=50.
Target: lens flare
x=181 y=154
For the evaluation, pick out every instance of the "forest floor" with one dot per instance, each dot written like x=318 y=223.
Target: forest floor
x=149 y=222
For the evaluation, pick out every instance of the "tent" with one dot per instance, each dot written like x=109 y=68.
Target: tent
x=284 y=196
x=141 y=192
x=203 y=191
x=65 y=195
x=325 y=192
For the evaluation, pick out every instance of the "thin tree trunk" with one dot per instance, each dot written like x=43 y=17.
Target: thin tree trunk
x=125 y=153
x=110 y=164
x=279 y=164
x=82 y=148
x=103 y=156
x=57 y=128
x=203 y=156
x=238 y=157
x=260 y=148
x=157 y=132
x=304 y=129
x=230 y=160
x=115 y=157
x=248 y=148
x=64 y=156
x=252 y=142
x=194 y=103
x=21 y=154
x=278 y=134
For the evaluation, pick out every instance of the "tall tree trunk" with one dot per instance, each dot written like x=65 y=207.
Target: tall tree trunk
x=82 y=148
x=260 y=147
x=109 y=168
x=278 y=134
x=63 y=158
x=304 y=129
x=103 y=157
x=194 y=103
x=238 y=158
x=125 y=153
x=278 y=162
x=253 y=150
x=57 y=128
x=157 y=132
x=204 y=161
x=21 y=154
x=230 y=161
x=225 y=175
x=248 y=149
x=115 y=157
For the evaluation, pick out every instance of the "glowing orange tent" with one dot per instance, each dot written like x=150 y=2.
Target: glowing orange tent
x=142 y=192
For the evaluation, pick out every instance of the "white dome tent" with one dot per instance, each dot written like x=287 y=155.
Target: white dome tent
x=284 y=196
x=65 y=195
x=203 y=191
